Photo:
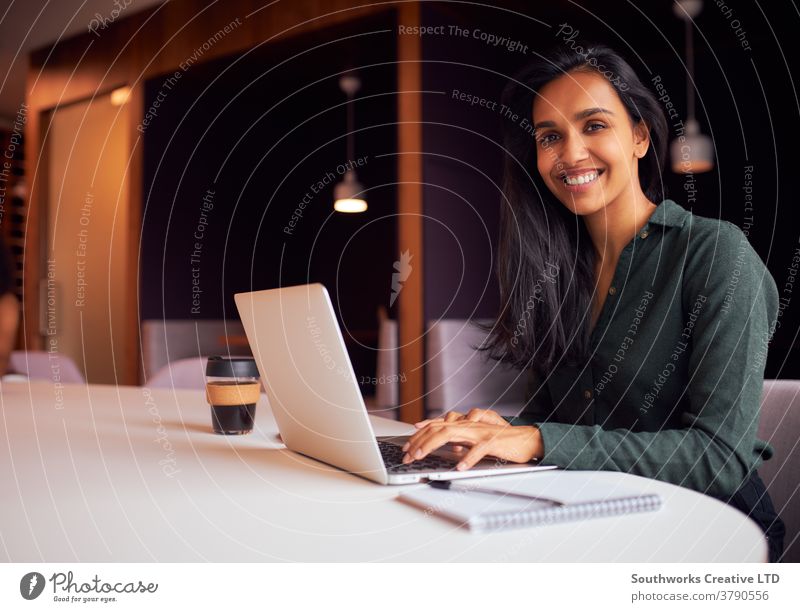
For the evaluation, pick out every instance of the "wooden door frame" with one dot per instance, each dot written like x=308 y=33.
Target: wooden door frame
x=410 y=215
x=36 y=232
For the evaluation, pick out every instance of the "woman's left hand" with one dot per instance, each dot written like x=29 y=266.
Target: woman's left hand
x=517 y=444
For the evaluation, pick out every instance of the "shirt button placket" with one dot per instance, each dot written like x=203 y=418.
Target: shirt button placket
x=587 y=381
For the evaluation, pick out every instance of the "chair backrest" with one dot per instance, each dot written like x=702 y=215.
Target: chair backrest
x=458 y=377
x=43 y=365
x=780 y=426
x=180 y=374
x=165 y=341
x=387 y=376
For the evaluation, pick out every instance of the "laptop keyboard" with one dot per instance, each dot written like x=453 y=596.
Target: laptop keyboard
x=393 y=458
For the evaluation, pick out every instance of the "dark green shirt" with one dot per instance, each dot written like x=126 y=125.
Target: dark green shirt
x=672 y=389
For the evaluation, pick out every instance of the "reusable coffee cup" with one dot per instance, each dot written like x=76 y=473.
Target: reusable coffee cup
x=232 y=389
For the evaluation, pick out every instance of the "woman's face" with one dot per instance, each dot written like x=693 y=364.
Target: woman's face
x=587 y=150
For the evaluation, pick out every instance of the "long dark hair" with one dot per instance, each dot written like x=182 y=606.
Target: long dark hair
x=546 y=259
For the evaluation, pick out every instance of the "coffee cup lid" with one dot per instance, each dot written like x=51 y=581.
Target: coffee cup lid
x=231 y=367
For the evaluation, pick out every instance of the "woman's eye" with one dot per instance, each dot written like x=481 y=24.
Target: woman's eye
x=591 y=126
x=547 y=139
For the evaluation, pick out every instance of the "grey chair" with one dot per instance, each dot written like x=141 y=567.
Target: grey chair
x=180 y=374
x=166 y=341
x=780 y=426
x=43 y=365
x=458 y=377
x=387 y=377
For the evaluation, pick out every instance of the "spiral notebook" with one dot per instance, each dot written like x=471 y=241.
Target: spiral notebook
x=583 y=495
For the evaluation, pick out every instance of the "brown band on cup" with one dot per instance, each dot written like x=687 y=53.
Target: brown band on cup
x=232 y=393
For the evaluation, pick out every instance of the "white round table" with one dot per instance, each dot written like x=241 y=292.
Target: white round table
x=101 y=473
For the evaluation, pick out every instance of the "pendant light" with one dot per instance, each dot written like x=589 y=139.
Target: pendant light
x=694 y=152
x=348 y=195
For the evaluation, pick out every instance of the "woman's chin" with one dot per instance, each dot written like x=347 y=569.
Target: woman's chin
x=584 y=204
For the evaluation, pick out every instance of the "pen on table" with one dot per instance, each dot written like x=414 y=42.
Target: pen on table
x=449 y=484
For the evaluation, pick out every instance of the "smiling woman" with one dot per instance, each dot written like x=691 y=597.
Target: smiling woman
x=634 y=365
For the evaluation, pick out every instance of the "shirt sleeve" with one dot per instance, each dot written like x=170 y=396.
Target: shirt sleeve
x=732 y=304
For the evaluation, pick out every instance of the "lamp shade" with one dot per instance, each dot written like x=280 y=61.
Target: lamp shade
x=693 y=154
x=348 y=195
x=120 y=96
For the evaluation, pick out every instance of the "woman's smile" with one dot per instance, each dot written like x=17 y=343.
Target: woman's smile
x=581 y=182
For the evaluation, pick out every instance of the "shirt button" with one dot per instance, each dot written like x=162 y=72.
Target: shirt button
x=587 y=394
x=644 y=234
x=612 y=290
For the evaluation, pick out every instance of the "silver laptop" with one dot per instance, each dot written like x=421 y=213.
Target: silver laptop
x=315 y=398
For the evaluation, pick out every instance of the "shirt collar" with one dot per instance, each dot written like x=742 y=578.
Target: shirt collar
x=669 y=214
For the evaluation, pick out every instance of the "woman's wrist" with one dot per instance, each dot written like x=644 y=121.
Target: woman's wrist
x=528 y=444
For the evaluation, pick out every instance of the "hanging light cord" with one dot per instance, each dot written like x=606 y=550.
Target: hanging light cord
x=350 y=127
x=690 y=68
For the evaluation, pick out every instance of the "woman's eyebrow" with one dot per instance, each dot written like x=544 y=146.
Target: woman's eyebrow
x=592 y=111
x=578 y=116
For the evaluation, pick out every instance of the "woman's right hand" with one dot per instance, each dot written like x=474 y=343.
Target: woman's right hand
x=477 y=415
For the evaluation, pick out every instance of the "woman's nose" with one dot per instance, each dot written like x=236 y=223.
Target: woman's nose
x=573 y=150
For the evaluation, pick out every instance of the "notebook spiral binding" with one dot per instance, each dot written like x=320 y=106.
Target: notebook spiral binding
x=572 y=512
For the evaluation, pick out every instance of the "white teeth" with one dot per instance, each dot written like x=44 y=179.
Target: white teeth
x=580 y=180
